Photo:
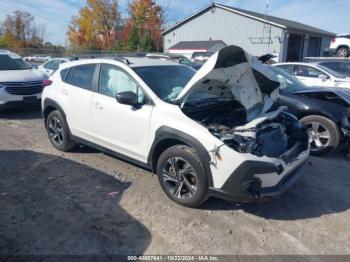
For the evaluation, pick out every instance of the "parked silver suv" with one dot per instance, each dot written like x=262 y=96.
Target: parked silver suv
x=20 y=84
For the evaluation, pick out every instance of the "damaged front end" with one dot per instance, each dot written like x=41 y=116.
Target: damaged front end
x=237 y=106
x=272 y=135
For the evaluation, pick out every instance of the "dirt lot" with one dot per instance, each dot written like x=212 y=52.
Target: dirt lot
x=86 y=202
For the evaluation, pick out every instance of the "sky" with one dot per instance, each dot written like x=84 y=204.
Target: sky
x=55 y=15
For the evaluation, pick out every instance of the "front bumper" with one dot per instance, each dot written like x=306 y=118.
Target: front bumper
x=9 y=101
x=252 y=180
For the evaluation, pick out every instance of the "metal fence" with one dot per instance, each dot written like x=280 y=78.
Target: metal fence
x=62 y=52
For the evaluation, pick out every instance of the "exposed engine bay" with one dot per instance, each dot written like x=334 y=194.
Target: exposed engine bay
x=233 y=96
x=271 y=134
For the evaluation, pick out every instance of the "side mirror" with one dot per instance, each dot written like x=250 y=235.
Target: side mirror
x=323 y=77
x=127 y=98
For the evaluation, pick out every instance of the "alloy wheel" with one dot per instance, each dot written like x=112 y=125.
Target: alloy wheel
x=319 y=136
x=56 y=131
x=179 y=177
x=342 y=52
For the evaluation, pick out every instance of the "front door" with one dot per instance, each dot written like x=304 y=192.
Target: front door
x=311 y=76
x=119 y=127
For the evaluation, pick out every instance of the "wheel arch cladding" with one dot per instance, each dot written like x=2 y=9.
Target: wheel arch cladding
x=167 y=137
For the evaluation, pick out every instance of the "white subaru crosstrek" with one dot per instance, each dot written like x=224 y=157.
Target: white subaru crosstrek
x=20 y=84
x=215 y=132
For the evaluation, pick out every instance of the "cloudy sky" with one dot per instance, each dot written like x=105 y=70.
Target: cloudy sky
x=55 y=15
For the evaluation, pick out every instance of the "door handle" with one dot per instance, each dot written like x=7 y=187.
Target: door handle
x=98 y=106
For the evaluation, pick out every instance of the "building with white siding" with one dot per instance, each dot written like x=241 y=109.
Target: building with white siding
x=257 y=33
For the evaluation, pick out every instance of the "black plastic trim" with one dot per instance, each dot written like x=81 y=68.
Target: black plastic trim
x=243 y=187
x=49 y=102
x=111 y=152
x=165 y=132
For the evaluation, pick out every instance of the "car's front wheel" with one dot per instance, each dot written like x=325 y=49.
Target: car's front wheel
x=58 y=132
x=323 y=133
x=182 y=176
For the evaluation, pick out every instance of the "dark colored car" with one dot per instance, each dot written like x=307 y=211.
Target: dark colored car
x=324 y=111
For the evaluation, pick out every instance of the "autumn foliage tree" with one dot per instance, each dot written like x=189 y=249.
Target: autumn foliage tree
x=96 y=25
x=19 y=30
x=147 y=17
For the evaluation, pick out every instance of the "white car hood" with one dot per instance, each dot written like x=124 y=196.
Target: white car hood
x=233 y=73
x=21 y=75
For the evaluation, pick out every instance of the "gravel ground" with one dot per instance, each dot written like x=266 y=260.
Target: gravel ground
x=86 y=202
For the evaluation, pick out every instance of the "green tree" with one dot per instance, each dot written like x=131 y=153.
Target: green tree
x=133 y=40
x=2 y=42
x=148 y=17
x=146 y=43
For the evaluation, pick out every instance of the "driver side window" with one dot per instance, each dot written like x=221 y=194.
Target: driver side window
x=307 y=71
x=114 y=80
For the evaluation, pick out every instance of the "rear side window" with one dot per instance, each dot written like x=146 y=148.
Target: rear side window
x=332 y=65
x=81 y=76
x=64 y=74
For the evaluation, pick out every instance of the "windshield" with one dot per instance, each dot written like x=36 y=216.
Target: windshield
x=332 y=72
x=13 y=63
x=186 y=61
x=288 y=83
x=166 y=81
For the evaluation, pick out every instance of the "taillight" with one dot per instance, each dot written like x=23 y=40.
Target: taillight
x=333 y=40
x=47 y=82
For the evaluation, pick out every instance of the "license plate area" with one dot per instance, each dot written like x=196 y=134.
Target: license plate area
x=30 y=99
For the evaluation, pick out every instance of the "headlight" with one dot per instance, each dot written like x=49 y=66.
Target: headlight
x=2 y=85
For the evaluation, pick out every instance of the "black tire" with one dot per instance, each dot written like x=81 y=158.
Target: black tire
x=325 y=125
x=186 y=157
x=342 y=51
x=62 y=139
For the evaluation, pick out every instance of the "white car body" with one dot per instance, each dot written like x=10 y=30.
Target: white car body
x=340 y=45
x=314 y=75
x=134 y=133
x=52 y=65
x=19 y=87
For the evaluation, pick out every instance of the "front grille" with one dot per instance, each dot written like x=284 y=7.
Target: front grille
x=23 y=88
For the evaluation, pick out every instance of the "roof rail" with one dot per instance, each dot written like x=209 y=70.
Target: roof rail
x=123 y=60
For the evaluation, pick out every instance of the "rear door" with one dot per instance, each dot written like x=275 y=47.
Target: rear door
x=119 y=127
x=75 y=98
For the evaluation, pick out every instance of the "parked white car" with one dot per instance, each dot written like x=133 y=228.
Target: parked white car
x=36 y=59
x=340 y=45
x=20 y=84
x=210 y=132
x=315 y=75
x=52 y=65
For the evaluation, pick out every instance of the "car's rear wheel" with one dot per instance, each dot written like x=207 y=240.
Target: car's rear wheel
x=182 y=176
x=343 y=52
x=58 y=132
x=323 y=132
